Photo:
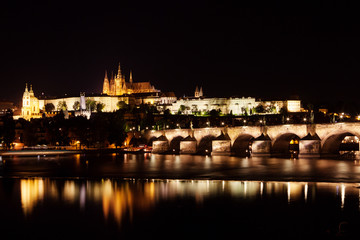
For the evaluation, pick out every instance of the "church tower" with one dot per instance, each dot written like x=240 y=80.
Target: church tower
x=106 y=85
x=196 y=92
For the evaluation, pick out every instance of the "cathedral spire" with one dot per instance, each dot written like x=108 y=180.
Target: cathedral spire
x=131 y=79
x=26 y=87
x=119 y=71
x=106 y=87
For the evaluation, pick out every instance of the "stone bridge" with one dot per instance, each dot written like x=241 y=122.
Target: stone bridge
x=310 y=140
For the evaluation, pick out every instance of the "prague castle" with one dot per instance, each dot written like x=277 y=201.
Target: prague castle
x=117 y=89
x=114 y=91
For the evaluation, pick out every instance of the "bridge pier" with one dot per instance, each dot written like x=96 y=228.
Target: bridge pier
x=188 y=145
x=221 y=145
x=309 y=146
x=261 y=146
x=160 y=145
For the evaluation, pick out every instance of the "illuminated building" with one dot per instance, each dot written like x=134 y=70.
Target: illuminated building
x=132 y=93
x=293 y=105
x=118 y=86
x=237 y=106
x=114 y=91
x=30 y=104
x=200 y=104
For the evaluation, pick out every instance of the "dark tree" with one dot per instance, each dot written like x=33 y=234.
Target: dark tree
x=117 y=134
x=76 y=106
x=99 y=107
x=8 y=130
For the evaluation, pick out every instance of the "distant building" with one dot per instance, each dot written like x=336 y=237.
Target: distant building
x=30 y=104
x=118 y=86
x=115 y=91
x=293 y=105
x=200 y=104
x=236 y=106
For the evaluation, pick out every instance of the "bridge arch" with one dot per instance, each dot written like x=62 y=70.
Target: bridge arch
x=205 y=144
x=150 y=141
x=331 y=143
x=284 y=143
x=242 y=145
x=175 y=144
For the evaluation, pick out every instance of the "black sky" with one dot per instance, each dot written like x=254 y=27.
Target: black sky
x=270 y=49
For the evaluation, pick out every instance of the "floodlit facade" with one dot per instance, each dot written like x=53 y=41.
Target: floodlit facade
x=293 y=105
x=118 y=86
x=30 y=104
x=110 y=102
x=193 y=105
x=118 y=90
x=236 y=106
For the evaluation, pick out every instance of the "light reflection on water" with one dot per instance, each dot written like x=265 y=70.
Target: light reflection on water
x=120 y=198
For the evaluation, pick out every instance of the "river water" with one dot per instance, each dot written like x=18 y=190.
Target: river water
x=150 y=196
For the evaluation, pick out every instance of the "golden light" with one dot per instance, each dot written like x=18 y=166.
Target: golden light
x=32 y=191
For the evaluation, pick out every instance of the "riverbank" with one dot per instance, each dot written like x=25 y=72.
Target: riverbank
x=36 y=152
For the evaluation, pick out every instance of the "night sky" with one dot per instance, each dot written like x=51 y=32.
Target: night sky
x=268 y=50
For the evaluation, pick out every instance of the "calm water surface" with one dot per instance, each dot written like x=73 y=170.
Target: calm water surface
x=182 y=166
x=178 y=197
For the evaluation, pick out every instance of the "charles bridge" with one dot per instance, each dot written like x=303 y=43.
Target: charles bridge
x=308 y=140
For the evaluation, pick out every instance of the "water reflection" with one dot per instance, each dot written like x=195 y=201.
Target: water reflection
x=32 y=191
x=119 y=199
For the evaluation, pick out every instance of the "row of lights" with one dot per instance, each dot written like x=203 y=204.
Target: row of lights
x=223 y=123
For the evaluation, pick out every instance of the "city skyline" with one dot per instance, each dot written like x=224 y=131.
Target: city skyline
x=278 y=49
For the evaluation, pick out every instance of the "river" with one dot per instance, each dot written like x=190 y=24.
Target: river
x=148 y=196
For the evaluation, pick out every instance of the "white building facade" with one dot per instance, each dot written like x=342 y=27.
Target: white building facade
x=200 y=105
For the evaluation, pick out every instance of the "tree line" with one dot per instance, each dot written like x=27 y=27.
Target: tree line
x=101 y=130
